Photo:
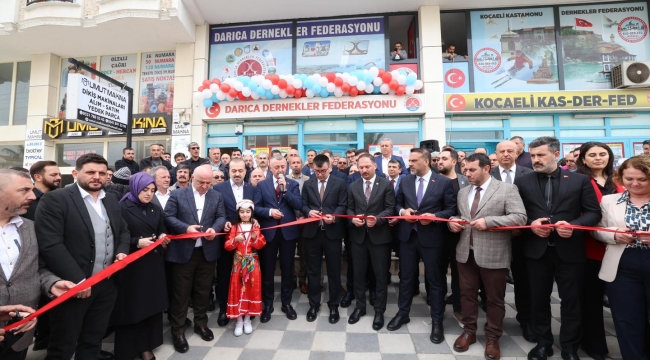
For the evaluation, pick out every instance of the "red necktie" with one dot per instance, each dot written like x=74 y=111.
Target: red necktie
x=277 y=192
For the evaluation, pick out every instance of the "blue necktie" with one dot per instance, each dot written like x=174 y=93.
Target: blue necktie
x=420 y=191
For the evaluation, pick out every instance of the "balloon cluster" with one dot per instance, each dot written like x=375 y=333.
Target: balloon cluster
x=272 y=86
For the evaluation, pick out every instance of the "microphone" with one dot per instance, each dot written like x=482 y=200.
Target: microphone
x=281 y=176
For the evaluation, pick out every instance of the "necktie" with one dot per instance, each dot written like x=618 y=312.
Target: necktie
x=420 y=191
x=277 y=192
x=392 y=182
x=368 y=191
x=508 y=177
x=472 y=211
x=548 y=193
x=322 y=190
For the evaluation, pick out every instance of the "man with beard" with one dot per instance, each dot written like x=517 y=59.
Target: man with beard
x=128 y=154
x=156 y=152
x=47 y=177
x=248 y=159
x=72 y=225
x=263 y=164
x=182 y=177
x=236 y=154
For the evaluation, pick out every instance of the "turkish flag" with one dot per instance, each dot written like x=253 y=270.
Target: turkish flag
x=583 y=23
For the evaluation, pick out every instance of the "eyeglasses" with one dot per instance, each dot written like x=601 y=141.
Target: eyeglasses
x=434 y=160
x=218 y=177
x=195 y=148
x=323 y=171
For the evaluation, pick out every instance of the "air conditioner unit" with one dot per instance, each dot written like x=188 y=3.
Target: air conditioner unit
x=631 y=74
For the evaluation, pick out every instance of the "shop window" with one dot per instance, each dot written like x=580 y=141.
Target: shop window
x=67 y=154
x=269 y=142
x=638 y=120
x=569 y=120
x=471 y=124
x=582 y=133
x=398 y=138
x=6 y=75
x=141 y=149
x=531 y=121
x=11 y=155
x=532 y=134
x=331 y=126
x=454 y=32
x=316 y=138
x=402 y=34
x=475 y=135
x=645 y=133
x=22 y=93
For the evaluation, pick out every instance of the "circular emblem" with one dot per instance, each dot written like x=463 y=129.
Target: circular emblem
x=632 y=29
x=456 y=102
x=230 y=58
x=412 y=104
x=213 y=111
x=405 y=69
x=487 y=60
x=239 y=51
x=455 y=78
x=250 y=65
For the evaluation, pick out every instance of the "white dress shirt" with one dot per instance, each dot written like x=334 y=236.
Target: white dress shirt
x=10 y=245
x=163 y=198
x=97 y=205
x=238 y=191
x=470 y=197
x=384 y=164
x=503 y=173
x=320 y=184
x=425 y=184
x=372 y=183
x=199 y=200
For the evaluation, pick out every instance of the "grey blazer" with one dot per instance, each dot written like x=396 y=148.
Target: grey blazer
x=28 y=280
x=500 y=205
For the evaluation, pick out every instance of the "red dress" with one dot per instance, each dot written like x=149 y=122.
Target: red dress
x=245 y=296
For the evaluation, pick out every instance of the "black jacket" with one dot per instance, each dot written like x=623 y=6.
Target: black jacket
x=31 y=212
x=131 y=164
x=146 y=162
x=335 y=201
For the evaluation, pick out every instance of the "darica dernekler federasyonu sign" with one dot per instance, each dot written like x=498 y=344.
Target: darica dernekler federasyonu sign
x=97 y=104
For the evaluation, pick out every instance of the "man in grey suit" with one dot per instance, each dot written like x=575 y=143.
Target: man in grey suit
x=484 y=254
x=22 y=280
x=195 y=208
x=508 y=171
x=371 y=196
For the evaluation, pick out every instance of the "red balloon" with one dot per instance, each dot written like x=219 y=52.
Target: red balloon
x=381 y=72
x=206 y=84
x=241 y=96
x=298 y=93
x=282 y=84
x=353 y=91
x=225 y=87
x=330 y=77
x=345 y=87
x=386 y=77
x=392 y=84
x=275 y=79
x=216 y=81
x=338 y=81
x=362 y=92
x=201 y=88
x=233 y=93
x=289 y=89
x=400 y=90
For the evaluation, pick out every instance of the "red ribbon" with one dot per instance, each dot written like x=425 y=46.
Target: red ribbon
x=119 y=265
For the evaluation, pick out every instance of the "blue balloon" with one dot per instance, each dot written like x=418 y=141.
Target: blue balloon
x=368 y=78
x=317 y=89
x=411 y=78
x=214 y=98
x=308 y=83
x=268 y=94
x=260 y=91
x=324 y=93
x=252 y=85
x=207 y=103
x=375 y=90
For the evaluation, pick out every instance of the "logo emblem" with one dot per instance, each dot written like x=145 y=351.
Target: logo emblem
x=632 y=29
x=53 y=128
x=412 y=104
x=487 y=60
x=455 y=78
x=213 y=111
x=456 y=103
x=251 y=65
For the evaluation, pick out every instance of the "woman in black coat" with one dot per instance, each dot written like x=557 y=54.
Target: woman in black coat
x=142 y=289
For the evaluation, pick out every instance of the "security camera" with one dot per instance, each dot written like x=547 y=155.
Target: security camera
x=186 y=123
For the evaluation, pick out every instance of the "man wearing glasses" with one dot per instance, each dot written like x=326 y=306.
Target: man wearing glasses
x=217 y=177
x=398 y=52
x=195 y=160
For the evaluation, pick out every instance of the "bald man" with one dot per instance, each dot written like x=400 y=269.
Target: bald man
x=480 y=151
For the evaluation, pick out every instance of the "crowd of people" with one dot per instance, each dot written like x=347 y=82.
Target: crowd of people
x=584 y=229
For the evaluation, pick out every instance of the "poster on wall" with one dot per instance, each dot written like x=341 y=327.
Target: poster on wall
x=514 y=50
x=342 y=45
x=618 y=148
x=34 y=152
x=66 y=69
x=403 y=150
x=157 y=82
x=638 y=148
x=122 y=68
x=569 y=147
x=595 y=38
x=251 y=50
x=456 y=76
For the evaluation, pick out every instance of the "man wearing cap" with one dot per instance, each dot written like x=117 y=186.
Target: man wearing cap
x=195 y=160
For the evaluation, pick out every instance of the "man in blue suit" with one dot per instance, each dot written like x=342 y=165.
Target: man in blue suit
x=276 y=201
x=196 y=208
x=423 y=193
x=232 y=191
x=386 y=146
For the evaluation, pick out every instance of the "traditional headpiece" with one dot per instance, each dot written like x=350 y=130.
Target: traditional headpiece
x=245 y=204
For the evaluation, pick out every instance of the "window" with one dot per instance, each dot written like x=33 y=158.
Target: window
x=22 y=93
x=6 y=76
x=270 y=141
x=11 y=155
x=398 y=138
x=402 y=33
x=454 y=32
x=67 y=154
x=141 y=149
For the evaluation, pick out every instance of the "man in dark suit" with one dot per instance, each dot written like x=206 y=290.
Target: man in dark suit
x=196 y=208
x=523 y=157
x=308 y=169
x=233 y=191
x=47 y=177
x=156 y=152
x=335 y=171
x=374 y=198
x=128 y=154
x=507 y=171
x=276 y=201
x=72 y=225
x=427 y=194
x=324 y=195
x=386 y=147
x=195 y=159
x=552 y=195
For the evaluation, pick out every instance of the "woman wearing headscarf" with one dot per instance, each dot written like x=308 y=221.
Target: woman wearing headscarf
x=142 y=290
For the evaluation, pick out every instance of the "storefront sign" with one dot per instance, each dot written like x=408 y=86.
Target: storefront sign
x=34 y=152
x=157 y=82
x=67 y=69
x=121 y=68
x=251 y=50
x=342 y=45
x=143 y=125
x=596 y=38
x=549 y=101
x=96 y=104
x=180 y=129
x=347 y=106
x=34 y=134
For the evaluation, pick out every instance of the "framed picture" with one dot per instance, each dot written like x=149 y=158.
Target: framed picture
x=618 y=148
x=637 y=148
x=568 y=147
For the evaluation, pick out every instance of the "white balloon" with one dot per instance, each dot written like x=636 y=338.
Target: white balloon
x=353 y=81
x=275 y=90
x=401 y=79
x=297 y=83
x=260 y=80
x=345 y=77
x=239 y=86
x=246 y=92
x=289 y=79
x=283 y=94
x=206 y=93
x=409 y=90
x=330 y=87
x=377 y=81
x=395 y=74
x=418 y=85
x=315 y=77
x=231 y=81
x=309 y=93
x=214 y=88
x=374 y=71
x=384 y=89
x=338 y=92
x=361 y=85
x=255 y=95
x=230 y=98
x=267 y=84
x=221 y=95
x=391 y=92
x=323 y=81
x=369 y=88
